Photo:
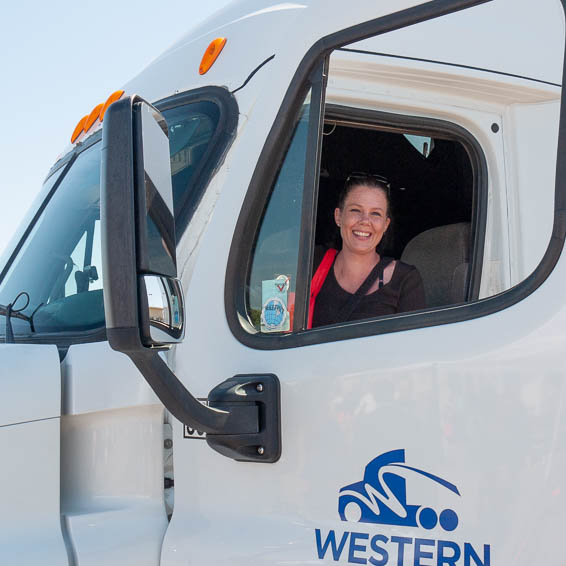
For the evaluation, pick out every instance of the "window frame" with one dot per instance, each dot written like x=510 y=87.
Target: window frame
x=218 y=145
x=273 y=152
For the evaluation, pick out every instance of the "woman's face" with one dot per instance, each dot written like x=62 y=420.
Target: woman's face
x=363 y=219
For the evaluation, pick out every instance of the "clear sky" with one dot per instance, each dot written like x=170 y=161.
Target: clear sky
x=61 y=58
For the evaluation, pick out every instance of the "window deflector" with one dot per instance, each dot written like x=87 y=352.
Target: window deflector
x=310 y=194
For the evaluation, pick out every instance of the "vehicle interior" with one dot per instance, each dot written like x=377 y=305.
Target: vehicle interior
x=432 y=198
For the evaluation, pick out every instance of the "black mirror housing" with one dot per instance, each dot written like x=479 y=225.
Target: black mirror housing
x=143 y=299
x=117 y=215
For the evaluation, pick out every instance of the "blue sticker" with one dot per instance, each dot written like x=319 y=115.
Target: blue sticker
x=274 y=313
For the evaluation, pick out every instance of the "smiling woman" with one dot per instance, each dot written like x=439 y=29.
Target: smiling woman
x=363 y=214
x=358 y=282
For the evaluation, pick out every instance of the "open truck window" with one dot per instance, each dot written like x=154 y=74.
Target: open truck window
x=434 y=196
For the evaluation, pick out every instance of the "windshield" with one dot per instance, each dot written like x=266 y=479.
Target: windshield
x=60 y=264
x=53 y=266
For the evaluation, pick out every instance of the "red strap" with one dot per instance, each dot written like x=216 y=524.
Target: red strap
x=319 y=278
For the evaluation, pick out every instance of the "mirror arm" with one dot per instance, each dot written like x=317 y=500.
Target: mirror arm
x=238 y=419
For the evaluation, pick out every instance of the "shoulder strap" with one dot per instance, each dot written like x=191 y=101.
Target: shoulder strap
x=319 y=278
x=355 y=299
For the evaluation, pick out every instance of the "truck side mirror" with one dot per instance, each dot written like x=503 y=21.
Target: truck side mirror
x=143 y=299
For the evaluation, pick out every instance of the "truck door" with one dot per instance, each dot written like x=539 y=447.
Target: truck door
x=30 y=409
x=427 y=437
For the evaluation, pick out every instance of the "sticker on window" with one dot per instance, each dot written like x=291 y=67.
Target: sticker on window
x=275 y=315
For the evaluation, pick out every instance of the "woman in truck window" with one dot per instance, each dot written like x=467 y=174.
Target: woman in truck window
x=357 y=282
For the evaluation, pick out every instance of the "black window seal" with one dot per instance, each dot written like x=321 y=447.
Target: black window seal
x=218 y=146
x=263 y=176
x=404 y=123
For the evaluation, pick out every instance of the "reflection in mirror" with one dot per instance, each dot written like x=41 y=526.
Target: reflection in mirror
x=165 y=309
x=160 y=225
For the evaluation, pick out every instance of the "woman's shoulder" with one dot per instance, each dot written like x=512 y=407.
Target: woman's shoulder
x=412 y=295
x=404 y=270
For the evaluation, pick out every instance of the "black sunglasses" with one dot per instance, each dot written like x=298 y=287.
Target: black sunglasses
x=360 y=176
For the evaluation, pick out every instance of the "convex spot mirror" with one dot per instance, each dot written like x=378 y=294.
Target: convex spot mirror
x=142 y=297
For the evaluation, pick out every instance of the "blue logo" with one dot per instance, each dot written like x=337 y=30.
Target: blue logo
x=381 y=497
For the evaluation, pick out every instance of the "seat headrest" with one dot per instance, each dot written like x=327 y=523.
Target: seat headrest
x=437 y=253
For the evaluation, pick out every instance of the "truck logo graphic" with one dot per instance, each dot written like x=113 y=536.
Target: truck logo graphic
x=381 y=497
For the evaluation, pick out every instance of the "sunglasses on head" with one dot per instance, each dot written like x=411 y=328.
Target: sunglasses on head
x=360 y=176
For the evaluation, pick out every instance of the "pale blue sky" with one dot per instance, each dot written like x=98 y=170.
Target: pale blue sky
x=59 y=59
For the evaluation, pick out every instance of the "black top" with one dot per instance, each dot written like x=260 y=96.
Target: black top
x=404 y=293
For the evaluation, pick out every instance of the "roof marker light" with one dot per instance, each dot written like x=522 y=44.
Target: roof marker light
x=79 y=128
x=93 y=117
x=112 y=98
x=211 y=54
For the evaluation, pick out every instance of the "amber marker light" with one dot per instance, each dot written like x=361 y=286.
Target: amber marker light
x=78 y=129
x=112 y=98
x=211 y=54
x=93 y=117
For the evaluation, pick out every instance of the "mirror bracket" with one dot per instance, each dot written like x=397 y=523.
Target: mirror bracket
x=242 y=420
x=263 y=392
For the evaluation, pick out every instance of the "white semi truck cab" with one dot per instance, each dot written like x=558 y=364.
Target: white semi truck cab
x=165 y=396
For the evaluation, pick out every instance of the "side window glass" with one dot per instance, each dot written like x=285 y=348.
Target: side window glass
x=272 y=280
x=191 y=130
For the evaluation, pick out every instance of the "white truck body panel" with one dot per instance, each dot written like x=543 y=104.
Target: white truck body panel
x=30 y=409
x=478 y=403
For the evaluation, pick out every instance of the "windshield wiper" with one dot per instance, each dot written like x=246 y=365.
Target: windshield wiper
x=9 y=312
